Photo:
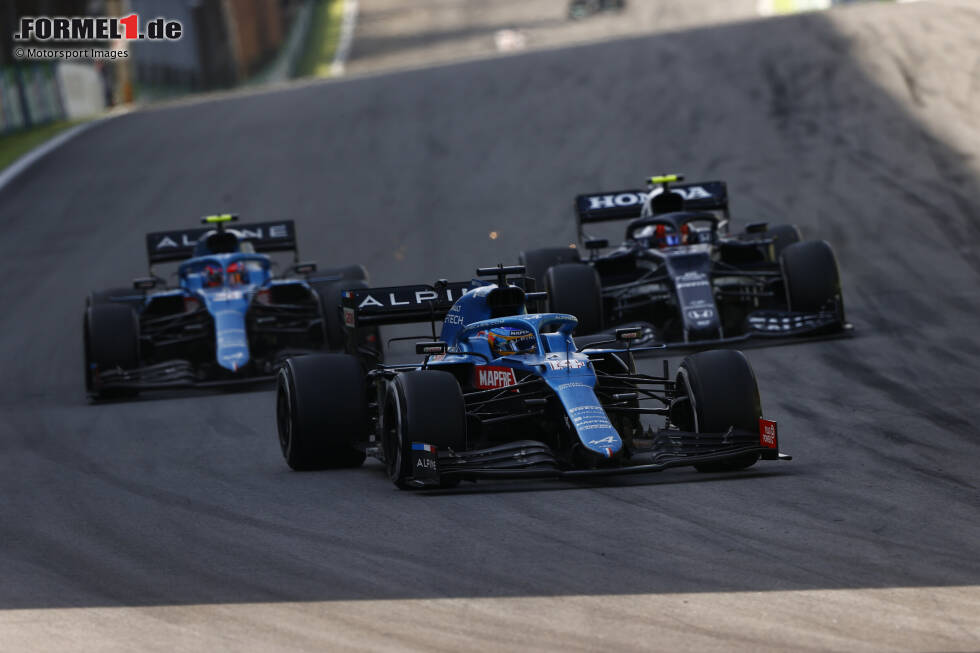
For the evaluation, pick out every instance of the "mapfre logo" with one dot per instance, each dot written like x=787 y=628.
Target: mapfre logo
x=767 y=434
x=488 y=377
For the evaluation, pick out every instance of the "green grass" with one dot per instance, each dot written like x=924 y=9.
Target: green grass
x=18 y=143
x=321 y=43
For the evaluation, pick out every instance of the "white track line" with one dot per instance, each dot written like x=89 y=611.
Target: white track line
x=346 y=38
x=33 y=156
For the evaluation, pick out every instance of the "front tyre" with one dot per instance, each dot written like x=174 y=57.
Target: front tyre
x=321 y=411
x=811 y=277
x=424 y=406
x=720 y=391
x=110 y=335
x=783 y=235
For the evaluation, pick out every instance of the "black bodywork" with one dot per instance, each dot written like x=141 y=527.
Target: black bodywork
x=715 y=287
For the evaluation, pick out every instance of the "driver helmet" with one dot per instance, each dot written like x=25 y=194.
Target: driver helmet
x=661 y=236
x=506 y=341
x=237 y=273
x=212 y=276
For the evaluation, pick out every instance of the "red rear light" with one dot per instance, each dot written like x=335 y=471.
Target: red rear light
x=191 y=304
x=263 y=296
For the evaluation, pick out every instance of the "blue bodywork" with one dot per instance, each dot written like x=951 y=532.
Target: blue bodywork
x=226 y=285
x=568 y=373
x=534 y=404
x=228 y=301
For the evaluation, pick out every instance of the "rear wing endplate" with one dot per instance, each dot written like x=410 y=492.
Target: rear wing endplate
x=178 y=245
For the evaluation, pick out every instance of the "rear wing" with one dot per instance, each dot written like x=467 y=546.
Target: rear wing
x=400 y=304
x=628 y=204
x=178 y=245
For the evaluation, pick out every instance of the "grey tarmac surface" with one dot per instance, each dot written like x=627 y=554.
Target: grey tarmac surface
x=173 y=521
x=395 y=34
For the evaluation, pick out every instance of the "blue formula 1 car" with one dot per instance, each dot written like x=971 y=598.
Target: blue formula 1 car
x=506 y=394
x=229 y=319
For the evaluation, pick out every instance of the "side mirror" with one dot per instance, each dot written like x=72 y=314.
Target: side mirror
x=629 y=334
x=596 y=243
x=144 y=283
x=430 y=348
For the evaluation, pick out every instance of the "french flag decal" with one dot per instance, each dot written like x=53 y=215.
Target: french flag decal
x=418 y=446
x=609 y=452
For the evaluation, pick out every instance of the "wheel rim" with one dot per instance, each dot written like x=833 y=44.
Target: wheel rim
x=391 y=435
x=693 y=409
x=284 y=417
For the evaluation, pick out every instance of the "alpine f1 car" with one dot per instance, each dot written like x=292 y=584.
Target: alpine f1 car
x=506 y=394
x=684 y=276
x=229 y=319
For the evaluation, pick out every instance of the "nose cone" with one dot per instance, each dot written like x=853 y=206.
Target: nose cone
x=575 y=390
x=232 y=350
x=231 y=340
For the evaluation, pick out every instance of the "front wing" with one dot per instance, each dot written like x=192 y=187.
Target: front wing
x=168 y=375
x=529 y=459
x=762 y=325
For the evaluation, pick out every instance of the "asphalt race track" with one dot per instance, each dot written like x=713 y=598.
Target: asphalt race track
x=172 y=521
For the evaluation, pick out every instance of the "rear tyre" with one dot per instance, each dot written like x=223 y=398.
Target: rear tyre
x=424 y=406
x=574 y=288
x=537 y=261
x=111 y=341
x=349 y=272
x=721 y=392
x=321 y=411
x=783 y=235
x=811 y=276
x=330 y=294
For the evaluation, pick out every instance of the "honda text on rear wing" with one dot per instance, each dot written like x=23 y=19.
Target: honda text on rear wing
x=628 y=204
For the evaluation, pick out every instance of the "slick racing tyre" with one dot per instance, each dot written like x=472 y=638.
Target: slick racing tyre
x=351 y=272
x=424 y=406
x=351 y=277
x=574 y=288
x=333 y=322
x=111 y=339
x=811 y=276
x=321 y=411
x=783 y=235
x=537 y=261
x=721 y=392
x=126 y=296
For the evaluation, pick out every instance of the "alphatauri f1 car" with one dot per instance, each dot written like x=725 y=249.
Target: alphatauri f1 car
x=229 y=319
x=506 y=394
x=684 y=277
